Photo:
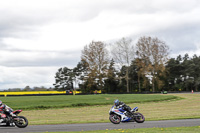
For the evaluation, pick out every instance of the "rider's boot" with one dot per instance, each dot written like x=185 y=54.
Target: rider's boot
x=1 y=120
x=12 y=124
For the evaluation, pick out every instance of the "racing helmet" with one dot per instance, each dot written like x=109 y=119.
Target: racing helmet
x=116 y=102
x=0 y=102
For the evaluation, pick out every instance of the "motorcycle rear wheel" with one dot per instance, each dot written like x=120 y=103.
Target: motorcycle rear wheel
x=139 y=118
x=115 y=119
x=22 y=122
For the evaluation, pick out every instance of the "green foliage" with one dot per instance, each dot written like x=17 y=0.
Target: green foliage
x=183 y=73
x=111 y=83
x=64 y=79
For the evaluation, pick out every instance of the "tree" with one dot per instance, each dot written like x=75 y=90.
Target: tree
x=191 y=72
x=27 y=88
x=64 y=79
x=173 y=74
x=42 y=88
x=123 y=54
x=142 y=67
x=111 y=83
x=183 y=73
x=154 y=54
x=196 y=71
x=133 y=74
x=81 y=74
x=95 y=57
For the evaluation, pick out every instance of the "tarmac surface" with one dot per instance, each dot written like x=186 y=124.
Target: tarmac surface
x=101 y=126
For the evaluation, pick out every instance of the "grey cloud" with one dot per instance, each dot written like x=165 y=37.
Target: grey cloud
x=27 y=19
x=17 y=25
x=28 y=58
x=2 y=45
x=25 y=22
x=182 y=38
x=147 y=7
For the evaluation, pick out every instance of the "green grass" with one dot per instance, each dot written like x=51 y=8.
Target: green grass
x=188 y=107
x=195 y=129
x=61 y=101
x=153 y=107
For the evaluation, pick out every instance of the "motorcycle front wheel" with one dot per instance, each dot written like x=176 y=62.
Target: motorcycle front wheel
x=139 y=118
x=115 y=119
x=21 y=122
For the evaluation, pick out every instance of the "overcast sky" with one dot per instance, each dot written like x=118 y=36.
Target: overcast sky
x=37 y=37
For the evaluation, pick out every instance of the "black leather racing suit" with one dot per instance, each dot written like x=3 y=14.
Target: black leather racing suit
x=5 y=108
x=125 y=107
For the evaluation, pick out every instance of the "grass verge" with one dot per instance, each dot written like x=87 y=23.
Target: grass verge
x=195 y=129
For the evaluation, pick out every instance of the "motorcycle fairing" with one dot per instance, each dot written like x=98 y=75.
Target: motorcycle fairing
x=126 y=119
x=17 y=111
x=120 y=112
x=3 y=116
x=135 y=109
x=117 y=111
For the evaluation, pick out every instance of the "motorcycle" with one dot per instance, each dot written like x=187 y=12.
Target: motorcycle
x=118 y=115
x=8 y=120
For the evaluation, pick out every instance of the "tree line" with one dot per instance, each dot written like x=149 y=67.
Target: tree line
x=28 y=88
x=123 y=67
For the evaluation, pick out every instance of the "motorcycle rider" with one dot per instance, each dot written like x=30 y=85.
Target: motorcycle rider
x=5 y=108
x=120 y=104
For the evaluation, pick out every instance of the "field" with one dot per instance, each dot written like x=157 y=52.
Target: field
x=94 y=108
x=61 y=101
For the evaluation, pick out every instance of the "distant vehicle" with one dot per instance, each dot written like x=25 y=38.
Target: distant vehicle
x=120 y=115
x=68 y=92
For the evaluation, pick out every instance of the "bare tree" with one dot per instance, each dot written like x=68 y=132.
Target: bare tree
x=95 y=55
x=153 y=54
x=123 y=54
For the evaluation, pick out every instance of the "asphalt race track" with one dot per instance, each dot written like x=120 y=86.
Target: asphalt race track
x=101 y=126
